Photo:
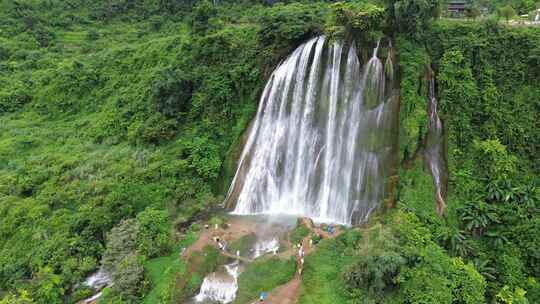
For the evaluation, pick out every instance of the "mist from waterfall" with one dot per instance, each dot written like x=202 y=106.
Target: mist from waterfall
x=323 y=138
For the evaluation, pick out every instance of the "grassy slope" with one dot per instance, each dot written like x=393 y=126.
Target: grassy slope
x=322 y=281
x=63 y=176
x=263 y=276
x=163 y=271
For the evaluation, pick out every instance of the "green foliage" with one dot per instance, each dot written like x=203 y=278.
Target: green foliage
x=202 y=14
x=322 y=278
x=377 y=273
x=494 y=160
x=458 y=83
x=492 y=179
x=507 y=12
x=477 y=216
x=411 y=16
x=413 y=61
x=102 y=123
x=22 y=298
x=127 y=278
x=171 y=93
x=473 y=12
x=110 y=107
x=162 y=272
x=493 y=97
x=46 y=286
x=283 y=27
x=435 y=277
x=354 y=19
x=243 y=244
x=153 y=238
x=508 y=296
x=299 y=232
x=121 y=242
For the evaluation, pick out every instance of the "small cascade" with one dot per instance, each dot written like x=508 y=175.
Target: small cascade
x=265 y=246
x=435 y=149
x=323 y=139
x=98 y=280
x=220 y=286
x=537 y=17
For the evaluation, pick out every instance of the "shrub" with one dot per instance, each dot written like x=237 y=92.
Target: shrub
x=299 y=233
x=507 y=12
x=171 y=92
x=92 y=35
x=286 y=26
x=508 y=296
x=494 y=161
x=128 y=276
x=354 y=19
x=376 y=273
x=121 y=242
x=153 y=238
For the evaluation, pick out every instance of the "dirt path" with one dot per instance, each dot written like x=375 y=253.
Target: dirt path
x=238 y=228
x=289 y=292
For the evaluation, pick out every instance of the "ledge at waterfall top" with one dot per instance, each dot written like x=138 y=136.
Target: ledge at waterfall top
x=323 y=141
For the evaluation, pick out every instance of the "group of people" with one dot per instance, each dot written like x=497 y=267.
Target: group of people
x=300 y=257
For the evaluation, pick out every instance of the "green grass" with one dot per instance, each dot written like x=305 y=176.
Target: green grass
x=162 y=271
x=243 y=244
x=299 y=233
x=263 y=275
x=322 y=281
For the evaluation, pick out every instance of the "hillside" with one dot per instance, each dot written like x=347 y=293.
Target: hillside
x=121 y=123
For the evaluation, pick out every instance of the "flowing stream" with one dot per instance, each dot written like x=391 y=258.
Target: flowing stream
x=97 y=281
x=323 y=140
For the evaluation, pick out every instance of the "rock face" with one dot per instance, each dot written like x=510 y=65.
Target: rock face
x=435 y=159
x=306 y=221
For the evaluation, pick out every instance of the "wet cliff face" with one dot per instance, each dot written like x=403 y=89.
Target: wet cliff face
x=323 y=142
x=434 y=150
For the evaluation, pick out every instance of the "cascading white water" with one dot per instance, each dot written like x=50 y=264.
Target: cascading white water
x=537 y=17
x=265 y=246
x=220 y=286
x=98 y=280
x=435 y=154
x=322 y=140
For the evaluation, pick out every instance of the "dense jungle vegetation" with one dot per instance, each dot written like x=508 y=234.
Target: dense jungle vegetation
x=120 y=123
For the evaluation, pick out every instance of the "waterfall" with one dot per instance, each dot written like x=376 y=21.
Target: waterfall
x=220 y=286
x=537 y=17
x=98 y=280
x=322 y=140
x=435 y=150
